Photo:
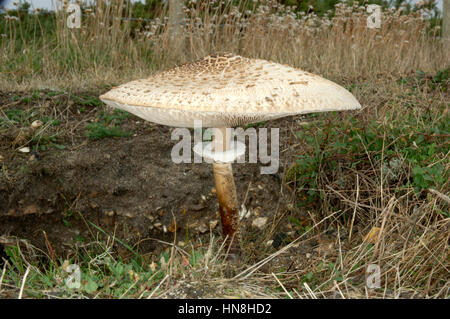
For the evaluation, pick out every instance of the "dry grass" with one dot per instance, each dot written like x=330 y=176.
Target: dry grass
x=330 y=258
x=109 y=50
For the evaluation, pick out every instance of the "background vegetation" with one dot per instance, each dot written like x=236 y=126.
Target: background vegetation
x=382 y=171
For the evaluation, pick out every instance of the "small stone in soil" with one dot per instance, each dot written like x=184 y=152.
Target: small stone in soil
x=259 y=222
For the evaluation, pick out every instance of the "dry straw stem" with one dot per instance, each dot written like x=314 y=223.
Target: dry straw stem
x=281 y=285
x=3 y=274
x=24 y=279
x=440 y=195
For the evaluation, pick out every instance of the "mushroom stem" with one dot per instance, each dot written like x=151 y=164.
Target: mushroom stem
x=226 y=194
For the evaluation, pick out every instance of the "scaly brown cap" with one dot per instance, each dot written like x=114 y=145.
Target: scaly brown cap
x=226 y=91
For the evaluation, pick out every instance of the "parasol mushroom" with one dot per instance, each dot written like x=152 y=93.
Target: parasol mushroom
x=225 y=91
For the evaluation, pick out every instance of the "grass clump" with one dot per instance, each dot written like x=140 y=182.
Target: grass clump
x=98 y=269
x=407 y=150
x=98 y=131
x=108 y=125
x=95 y=270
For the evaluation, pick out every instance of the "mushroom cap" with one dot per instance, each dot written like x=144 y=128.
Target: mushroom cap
x=226 y=91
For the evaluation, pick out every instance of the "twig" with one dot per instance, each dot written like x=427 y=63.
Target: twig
x=385 y=213
x=440 y=195
x=131 y=286
x=246 y=193
x=354 y=210
x=23 y=282
x=159 y=285
x=339 y=289
x=298 y=295
x=279 y=282
x=309 y=290
x=50 y=248
x=3 y=274
x=148 y=280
